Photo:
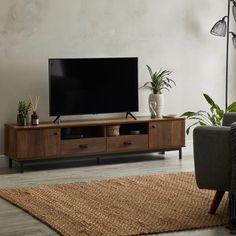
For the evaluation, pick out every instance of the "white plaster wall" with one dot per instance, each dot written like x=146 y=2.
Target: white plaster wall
x=164 y=34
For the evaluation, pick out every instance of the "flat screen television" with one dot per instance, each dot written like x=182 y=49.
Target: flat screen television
x=93 y=85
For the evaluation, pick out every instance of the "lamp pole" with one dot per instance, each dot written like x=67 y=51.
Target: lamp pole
x=227 y=58
x=221 y=28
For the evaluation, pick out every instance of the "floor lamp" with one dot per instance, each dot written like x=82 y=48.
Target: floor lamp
x=221 y=28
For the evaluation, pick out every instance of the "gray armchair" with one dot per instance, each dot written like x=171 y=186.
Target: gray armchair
x=212 y=158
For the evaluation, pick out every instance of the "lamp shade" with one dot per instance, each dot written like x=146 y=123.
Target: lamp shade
x=219 y=28
x=234 y=10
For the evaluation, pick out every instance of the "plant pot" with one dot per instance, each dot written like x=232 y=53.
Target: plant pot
x=21 y=120
x=156 y=105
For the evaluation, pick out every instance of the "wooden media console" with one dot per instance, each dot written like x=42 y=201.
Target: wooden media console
x=90 y=138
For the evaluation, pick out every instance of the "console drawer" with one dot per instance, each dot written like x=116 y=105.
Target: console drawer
x=126 y=143
x=83 y=146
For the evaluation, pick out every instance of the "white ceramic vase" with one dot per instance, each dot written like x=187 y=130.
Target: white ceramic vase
x=156 y=104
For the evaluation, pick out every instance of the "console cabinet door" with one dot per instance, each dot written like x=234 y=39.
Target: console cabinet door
x=37 y=143
x=167 y=134
x=52 y=141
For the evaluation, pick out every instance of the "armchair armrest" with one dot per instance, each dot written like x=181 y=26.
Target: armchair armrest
x=212 y=157
x=229 y=118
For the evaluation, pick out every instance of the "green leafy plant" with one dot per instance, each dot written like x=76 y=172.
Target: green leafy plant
x=159 y=80
x=212 y=118
x=24 y=108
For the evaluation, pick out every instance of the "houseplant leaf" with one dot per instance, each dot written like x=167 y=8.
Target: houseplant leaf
x=214 y=117
x=232 y=107
x=150 y=71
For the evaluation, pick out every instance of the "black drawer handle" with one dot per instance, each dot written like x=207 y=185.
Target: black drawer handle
x=55 y=133
x=127 y=142
x=153 y=126
x=82 y=146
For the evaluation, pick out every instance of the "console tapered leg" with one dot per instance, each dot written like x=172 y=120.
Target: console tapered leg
x=216 y=201
x=180 y=153
x=10 y=162
x=21 y=167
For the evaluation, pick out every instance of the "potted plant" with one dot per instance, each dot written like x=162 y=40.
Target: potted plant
x=23 y=113
x=212 y=118
x=159 y=81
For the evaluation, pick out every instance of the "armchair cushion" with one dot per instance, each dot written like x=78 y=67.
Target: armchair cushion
x=229 y=118
x=232 y=193
x=212 y=157
x=215 y=162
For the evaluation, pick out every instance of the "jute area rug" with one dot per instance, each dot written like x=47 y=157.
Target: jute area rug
x=125 y=206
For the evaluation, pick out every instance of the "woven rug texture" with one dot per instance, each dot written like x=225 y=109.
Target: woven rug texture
x=124 y=206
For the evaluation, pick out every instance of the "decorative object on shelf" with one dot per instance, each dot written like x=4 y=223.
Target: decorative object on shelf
x=113 y=130
x=34 y=116
x=159 y=81
x=212 y=118
x=159 y=100
x=23 y=113
x=170 y=116
x=221 y=28
x=152 y=106
x=135 y=132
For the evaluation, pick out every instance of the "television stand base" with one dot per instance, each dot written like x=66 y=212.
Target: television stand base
x=89 y=138
x=57 y=120
x=129 y=113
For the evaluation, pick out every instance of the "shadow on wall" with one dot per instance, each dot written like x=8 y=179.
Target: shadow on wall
x=22 y=17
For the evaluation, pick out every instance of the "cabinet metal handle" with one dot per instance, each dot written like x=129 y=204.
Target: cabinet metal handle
x=83 y=146
x=55 y=133
x=127 y=142
x=153 y=126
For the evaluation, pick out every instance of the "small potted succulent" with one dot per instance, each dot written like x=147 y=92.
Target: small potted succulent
x=159 y=81
x=23 y=113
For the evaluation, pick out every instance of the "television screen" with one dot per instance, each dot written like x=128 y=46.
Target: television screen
x=93 y=85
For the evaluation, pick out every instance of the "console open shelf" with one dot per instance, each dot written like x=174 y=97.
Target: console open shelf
x=136 y=128
x=82 y=132
x=89 y=138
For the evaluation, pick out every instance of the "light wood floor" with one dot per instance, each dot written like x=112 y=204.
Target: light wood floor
x=15 y=222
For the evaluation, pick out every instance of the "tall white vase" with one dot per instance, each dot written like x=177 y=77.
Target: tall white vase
x=156 y=102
